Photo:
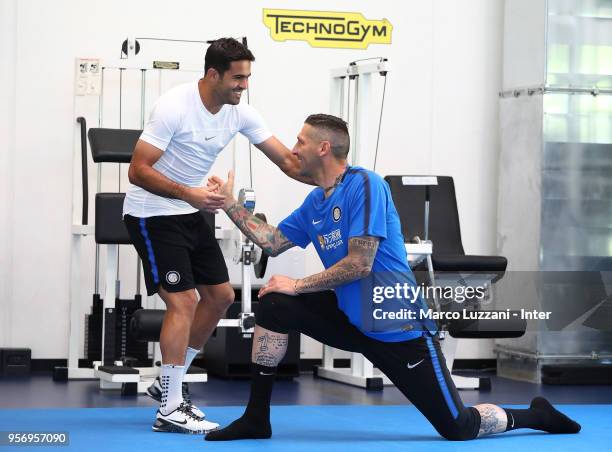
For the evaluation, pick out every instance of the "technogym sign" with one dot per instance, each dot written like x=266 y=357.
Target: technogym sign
x=327 y=29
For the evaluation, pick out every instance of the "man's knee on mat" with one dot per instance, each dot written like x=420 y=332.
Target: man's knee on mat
x=464 y=427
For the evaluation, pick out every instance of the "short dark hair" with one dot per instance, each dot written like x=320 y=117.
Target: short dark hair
x=337 y=127
x=222 y=52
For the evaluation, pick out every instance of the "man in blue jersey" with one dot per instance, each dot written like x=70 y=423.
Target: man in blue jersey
x=354 y=226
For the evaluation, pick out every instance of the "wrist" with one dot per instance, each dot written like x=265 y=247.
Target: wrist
x=183 y=192
x=229 y=202
x=295 y=287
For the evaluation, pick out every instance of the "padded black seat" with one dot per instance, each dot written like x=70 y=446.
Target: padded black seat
x=444 y=227
x=448 y=253
x=119 y=370
x=471 y=263
x=110 y=229
x=488 y=328
x=112 y=145
x=145 y=325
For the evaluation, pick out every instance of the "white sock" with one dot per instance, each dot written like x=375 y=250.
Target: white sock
x=171 y=378
x=190 y=354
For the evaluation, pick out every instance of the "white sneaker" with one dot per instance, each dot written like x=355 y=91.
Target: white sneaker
x=195 y=410
x=155 y=392
x=182 y=420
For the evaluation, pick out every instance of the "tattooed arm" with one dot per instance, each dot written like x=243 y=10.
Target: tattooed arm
x=266 y=236
x=356 y=265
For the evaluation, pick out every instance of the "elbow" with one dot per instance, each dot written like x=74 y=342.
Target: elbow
x=363 y=269
x=133 y=174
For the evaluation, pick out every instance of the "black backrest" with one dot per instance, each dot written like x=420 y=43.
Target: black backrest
x=112 y=145
x=110 y=229
x=444 y=228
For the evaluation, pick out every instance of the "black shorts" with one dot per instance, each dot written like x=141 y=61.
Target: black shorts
x=417 y=367
x=178 y=252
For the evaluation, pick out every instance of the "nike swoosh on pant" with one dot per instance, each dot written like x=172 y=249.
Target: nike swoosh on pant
x=412 y=366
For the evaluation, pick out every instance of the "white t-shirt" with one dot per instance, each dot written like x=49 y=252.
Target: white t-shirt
x=191 y=138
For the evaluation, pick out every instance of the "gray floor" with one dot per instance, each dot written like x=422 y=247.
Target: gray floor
x=40 y=391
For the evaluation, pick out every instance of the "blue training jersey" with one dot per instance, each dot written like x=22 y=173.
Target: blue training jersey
x=361 y=205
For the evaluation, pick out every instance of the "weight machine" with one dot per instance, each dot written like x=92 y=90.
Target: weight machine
x=351 y=89
x=123 y=324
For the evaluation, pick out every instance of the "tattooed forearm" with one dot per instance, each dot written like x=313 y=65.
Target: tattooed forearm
x=493 y=419
x=269 y=348
x=356 y=265
x=267 y=237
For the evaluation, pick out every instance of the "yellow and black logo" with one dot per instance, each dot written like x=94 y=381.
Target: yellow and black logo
x=327 y=29
x=321 y=241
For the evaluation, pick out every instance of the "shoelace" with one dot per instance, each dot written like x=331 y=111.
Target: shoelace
x=186 y=408
x=186 y=395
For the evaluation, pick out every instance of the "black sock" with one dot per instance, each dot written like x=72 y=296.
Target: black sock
x=541 y=415
x=255 y=422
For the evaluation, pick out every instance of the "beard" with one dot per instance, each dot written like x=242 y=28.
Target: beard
x=305 y=172
x=232 y=98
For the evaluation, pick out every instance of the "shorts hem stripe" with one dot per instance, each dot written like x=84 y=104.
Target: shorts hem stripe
x=145 y=234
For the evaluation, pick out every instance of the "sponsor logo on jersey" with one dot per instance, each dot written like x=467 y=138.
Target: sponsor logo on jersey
x=330 y=241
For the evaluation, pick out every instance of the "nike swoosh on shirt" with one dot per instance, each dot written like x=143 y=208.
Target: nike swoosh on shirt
x=209 y=138
x=316 y=222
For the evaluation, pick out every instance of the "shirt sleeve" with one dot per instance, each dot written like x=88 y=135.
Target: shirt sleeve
x=252 y=125
x=368 y=203
x=293 y=227
x=163 y=122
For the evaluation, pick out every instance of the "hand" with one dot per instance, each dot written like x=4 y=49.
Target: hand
x=205 y=198
x=213 y=187
x=279 y=284
x=225 y=189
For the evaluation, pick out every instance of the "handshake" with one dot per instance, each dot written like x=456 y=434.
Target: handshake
x=218 y=194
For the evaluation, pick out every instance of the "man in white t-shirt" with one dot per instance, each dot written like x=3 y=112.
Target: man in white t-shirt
x=188 y=127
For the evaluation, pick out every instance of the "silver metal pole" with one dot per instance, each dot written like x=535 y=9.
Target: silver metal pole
x=427 y=198
x=593 y=356
x=117 y=282
x=143 y=82
x=355 y=129
x=99 y=182
x=541 y=89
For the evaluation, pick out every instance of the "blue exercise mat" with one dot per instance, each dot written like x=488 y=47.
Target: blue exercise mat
x=302 y=428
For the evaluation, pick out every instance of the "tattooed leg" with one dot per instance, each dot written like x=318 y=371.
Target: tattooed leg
x=493 y=419
x=268 y=350
x=269 y=347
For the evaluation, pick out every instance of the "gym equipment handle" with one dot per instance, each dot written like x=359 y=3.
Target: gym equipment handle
x=84 y=176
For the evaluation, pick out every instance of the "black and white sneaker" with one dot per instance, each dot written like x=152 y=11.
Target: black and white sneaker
x=182 y=420
x=155 y=392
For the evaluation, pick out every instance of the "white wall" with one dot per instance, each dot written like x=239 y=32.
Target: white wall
x=441 y=117
x=8 y=34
